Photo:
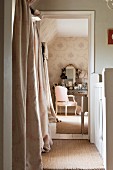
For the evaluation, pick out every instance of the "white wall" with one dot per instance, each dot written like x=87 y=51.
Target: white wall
x=7 y=102
x=103 y=21
x=1 y=82
x=6 y=85
x=108 y=118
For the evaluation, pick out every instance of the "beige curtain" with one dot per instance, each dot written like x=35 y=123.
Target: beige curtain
x=26 y=138
x=47 y=142
x=51 y=111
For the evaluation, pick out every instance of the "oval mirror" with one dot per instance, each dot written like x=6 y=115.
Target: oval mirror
x=70 y=73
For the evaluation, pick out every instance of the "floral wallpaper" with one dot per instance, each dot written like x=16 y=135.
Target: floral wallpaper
x=64 y=51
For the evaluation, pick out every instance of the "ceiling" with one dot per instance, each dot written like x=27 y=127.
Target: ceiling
x=51 y=28
x=72 y=27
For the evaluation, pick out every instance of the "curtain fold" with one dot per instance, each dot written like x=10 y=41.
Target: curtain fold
x=51 y=111
x=30 y=123
x=47 y=141
x=27 y=138
x=33 y=128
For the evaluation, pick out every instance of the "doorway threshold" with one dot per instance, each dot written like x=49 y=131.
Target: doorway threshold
x=55 y=135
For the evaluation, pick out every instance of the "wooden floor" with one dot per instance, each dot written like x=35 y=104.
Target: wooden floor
x=69 y=127
x=71 y=124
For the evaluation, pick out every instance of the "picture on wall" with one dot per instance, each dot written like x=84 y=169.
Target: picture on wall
x=110 y=36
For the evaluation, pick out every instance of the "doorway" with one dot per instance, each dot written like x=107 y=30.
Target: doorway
x=88 y=15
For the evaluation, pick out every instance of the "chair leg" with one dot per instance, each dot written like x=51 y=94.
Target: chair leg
x=65 y=110
x=75 y=109
x=82 y=123
x=60 y=110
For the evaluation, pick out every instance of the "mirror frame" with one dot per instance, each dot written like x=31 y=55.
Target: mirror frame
x=74 y=71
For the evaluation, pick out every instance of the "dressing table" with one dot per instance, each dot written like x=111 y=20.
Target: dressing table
x=80 y=96
x=70 y=78
x=81 y=92
x=76 y=82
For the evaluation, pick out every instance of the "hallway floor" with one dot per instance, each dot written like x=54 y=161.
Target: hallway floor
x=72 y=154
x=71 y=124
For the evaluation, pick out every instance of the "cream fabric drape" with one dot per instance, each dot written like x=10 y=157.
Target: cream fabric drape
x=51 y=111
x=26 y=138
x=42 y=99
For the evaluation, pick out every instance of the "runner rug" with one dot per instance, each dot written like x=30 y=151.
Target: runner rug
x=72 y=155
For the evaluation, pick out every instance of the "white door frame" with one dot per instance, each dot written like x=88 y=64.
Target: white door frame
x=91 y=69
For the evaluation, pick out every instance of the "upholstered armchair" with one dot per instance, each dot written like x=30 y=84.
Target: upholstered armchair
x=62 y=99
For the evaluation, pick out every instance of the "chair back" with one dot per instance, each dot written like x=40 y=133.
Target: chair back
x=61 y=93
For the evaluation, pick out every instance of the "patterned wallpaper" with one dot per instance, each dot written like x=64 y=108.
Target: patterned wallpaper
x=64 y=51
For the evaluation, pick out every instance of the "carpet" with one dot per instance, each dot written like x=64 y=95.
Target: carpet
x=71 y=125
x=72 y=155
x=76 y=169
